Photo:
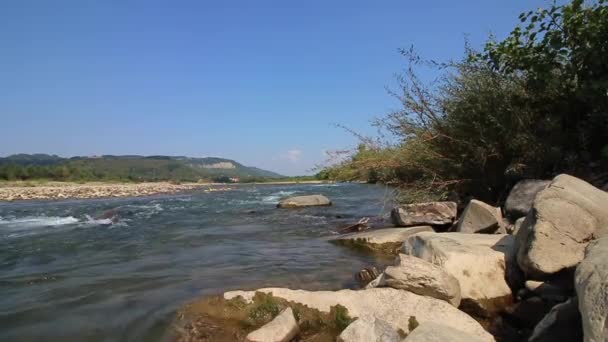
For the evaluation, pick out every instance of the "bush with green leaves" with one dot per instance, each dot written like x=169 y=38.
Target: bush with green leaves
x=532 y=105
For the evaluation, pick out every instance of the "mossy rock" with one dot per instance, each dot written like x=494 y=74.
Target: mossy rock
x=217 y=319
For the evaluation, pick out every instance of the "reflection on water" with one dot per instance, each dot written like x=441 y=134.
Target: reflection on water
x=117 y=269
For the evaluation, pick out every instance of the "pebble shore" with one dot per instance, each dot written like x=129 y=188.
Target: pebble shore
x=16 y=192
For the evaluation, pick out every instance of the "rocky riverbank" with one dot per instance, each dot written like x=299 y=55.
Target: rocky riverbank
x=534 y=270
x=58 y=190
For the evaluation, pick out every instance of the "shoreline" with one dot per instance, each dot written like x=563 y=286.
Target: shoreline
x=40 y=190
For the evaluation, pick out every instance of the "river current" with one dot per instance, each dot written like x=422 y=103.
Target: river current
x=118 y=269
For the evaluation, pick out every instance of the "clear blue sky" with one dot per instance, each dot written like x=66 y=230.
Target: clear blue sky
x=260 y=82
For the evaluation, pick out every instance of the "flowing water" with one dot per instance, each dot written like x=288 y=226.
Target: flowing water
x=118 y=269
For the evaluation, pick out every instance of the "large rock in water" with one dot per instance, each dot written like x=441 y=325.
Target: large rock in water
x=436 y=332
x=480 y=262
x=393 y=306
x=431 y=213
x=479 y=217
x=304 y=201
x=591 y=283
x=386 y=239
x=564 y=218
x=369 y=329
x=421 y=277
x=520 y=199
x=281 y=329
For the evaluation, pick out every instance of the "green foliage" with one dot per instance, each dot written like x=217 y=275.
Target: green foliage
x=265 y=309
x=532 y=105
x=340 y=316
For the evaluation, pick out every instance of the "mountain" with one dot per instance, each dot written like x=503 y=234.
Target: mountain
x=131 y=167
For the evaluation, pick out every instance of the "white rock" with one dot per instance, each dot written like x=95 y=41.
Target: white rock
x=421 y=277
x=281 y=329
x=564 y=218
x=431 y=213
x=391 y=305
x=480 y=262
x=479 y=217
x=380 y=236
x=591 y=283
x=304 y=201
x=369 y=329
x=435 y=332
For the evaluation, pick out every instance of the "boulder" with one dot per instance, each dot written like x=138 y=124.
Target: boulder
x=421 y=277
x=520 y=199
x=436 y=332
x=549 y=290
x=479 y=217
x=591 y=284
x=562 y=323
x=304 y=201
x=564 y=218
x=393 y=306
x=281 y=329
x=482 y=264
x=431 y=213
x=369 y=329
x=386 y=239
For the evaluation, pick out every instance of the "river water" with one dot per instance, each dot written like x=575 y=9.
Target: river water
x=70 y=273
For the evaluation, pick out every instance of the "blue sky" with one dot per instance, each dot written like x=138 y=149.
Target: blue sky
x=261 y=82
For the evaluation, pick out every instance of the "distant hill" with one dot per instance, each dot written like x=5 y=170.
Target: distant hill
x=131 y=167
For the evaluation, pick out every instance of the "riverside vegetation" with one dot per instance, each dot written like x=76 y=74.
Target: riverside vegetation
x=509 y=125
x=530 y=106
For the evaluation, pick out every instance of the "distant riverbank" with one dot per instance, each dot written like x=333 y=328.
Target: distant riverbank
x=40 y=190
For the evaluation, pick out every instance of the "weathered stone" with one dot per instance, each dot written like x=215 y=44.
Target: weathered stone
x=304 y=201
x=562 y=323
x=564 y=218
x=393 y=306
x=436 y=332
x=479 y=217
x=421 y=277
x=549 y=290
x=366 y=275
x=480 y=262
x=369 y=329
x=431 y=213
x=379 y=239
x=281 y=329
x=520 y=199
x=591 y=283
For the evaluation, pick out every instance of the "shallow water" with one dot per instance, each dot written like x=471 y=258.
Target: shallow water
x=65 y=275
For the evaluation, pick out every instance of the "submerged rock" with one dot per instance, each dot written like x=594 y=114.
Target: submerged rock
x=369 y=329
x=393 y=306
x=431 y=213
x=520 y=199
x=421 y=277
x=304 y=201
x=481 y=263
x=479 y=217
x=564 y=218
x=281 y=329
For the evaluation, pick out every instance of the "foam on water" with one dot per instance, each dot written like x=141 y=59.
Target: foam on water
x=37 y=221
